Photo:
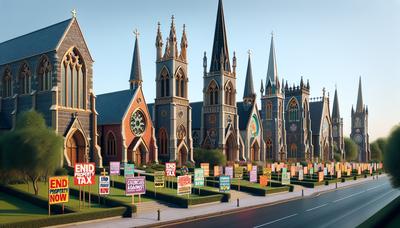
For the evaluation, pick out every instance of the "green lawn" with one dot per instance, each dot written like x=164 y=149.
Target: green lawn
x=13 y=209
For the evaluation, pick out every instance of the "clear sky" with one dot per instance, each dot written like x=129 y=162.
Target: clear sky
x=327 y=42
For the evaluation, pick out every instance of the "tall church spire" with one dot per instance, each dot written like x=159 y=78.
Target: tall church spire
x=360 y=104
x=335 y=109
x=135 y=79
x=272 y=73
x=220 y=46
x=249 y=93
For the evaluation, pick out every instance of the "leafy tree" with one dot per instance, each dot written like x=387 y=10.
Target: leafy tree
x=382 y=145
x=392 y=156
x=376 y=152
x=214 y=157
x=32 y=149
x=351 y=149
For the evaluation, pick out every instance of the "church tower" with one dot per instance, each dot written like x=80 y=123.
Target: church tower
x=337 y=127
x=219 y=122
x=359 y=127
x=298 y=122
x=172 y=113
x=272 y=103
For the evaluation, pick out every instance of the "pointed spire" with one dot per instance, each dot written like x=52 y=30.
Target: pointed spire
x=360 y=104
x=136 y=70
x=249 y=87
x=184 y=43
x=272 y=72
x=302 y=83
x=262 y=88
x=172 y=39
x=335 y=109
x=220 y=46
x=159 y=42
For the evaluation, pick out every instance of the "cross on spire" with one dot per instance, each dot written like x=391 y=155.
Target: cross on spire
x=136 y=32
x=272 y=33
x=73 y=12
x=250 y=52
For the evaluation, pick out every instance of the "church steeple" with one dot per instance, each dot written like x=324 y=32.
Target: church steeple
x=184 y=44
x=159 y=42
x=220 y=52
x=360 y=104
x=173 y=48
x=335 y=109
x=135 y=79
x=272 y=73
x=249 y=94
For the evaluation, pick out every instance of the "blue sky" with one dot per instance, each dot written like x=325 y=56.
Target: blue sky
x=327 y=42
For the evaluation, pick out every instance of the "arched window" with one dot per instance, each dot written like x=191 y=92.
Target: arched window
x=164 y=87
x=7 y=83
x=73 y=80
x=180 y=89
x=24 y=79
x=268 y=145
x=44 y=74
x=269 y=110
x=163 y=141
x=293 y=110
x=111 y=145
x=181 y=132
x=293 y=150
x=229 y=98
x=212 y=93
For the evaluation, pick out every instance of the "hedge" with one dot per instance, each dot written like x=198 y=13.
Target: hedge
x=68 y=218
x=258 y=191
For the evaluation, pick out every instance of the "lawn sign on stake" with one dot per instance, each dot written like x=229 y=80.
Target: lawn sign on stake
x=135 y=186
x=253 y=174
x=224 y=183
x=199 y=178
x=184 y=185
x=239 y=175
x=114 y=169
x=58 y=191
x=159 y=179
x=206 y=168
x=170 y=171
x=84 y=174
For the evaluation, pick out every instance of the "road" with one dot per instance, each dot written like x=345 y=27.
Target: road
x=346 y=207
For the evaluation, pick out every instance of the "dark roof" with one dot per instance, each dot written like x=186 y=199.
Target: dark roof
x=335 y=109
x=111 y=107
x=196 y=114
x=272 y=73
x=136 y=70
x=220 y=46
x=249 y=86
x=316 y=109
x=244 y=112
x=150 y=108
x=35 y=43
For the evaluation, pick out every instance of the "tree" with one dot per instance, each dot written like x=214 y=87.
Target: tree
x=214 y=157
x=351 y=149
x=32 y=149
x=376 y=152
x=382 y=145
x=392 y=156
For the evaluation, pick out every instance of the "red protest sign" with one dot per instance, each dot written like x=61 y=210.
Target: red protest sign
x=170 y=169
x=84 y=174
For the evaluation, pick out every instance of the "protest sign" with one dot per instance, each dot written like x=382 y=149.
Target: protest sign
x=84 y=174
x=104 y=185
x=114 y=168
x=135 y=185
x=199 y=177
x=184 y=185
x=224 y=183
x=58 y=189
x=170 y=169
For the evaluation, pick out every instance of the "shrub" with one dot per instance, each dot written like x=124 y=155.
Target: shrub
x=214 y=157
x=61 y=172
x=392 y=156
x=351 y=149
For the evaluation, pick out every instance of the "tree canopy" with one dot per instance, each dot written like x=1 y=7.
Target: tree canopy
x=376 y=152
x=392 y=156
x=214 y=157
x=32 y=149
x=351 y=149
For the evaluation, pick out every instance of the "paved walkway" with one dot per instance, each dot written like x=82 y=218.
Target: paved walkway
x=148 y=214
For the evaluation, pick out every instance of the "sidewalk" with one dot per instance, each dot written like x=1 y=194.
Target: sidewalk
x=148 y=216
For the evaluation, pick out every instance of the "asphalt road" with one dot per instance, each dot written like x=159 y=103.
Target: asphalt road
x=346 y=207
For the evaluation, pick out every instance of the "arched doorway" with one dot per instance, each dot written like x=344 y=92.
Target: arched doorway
x=326 y=152
x=139 y=155
x=254 y=152
x=230 y=148
x=76 y=147
x=182 y=156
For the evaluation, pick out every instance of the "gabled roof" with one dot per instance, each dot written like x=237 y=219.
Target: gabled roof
x=35 y=43
x=220 y=46
x=196 y=114
x=316 y=110
x=244 y=111
x=111 y=107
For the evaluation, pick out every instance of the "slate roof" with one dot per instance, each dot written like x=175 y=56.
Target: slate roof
x=244 y=111
x=196 y=114
x=111 y=107
x=44 y=40
x=272 y=73
x=136 y=70
x=249 y=86
x=335 y=109
x=316 y=109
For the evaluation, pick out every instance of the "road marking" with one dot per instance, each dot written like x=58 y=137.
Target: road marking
x=269 y=223
x=356 y=209
x=375 y=187
x=335 y=201
x=323 y=205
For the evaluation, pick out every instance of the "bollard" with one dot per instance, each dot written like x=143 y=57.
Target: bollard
x=237 y=202
x=336 y=185
x=158 y=215
x=302 y=192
